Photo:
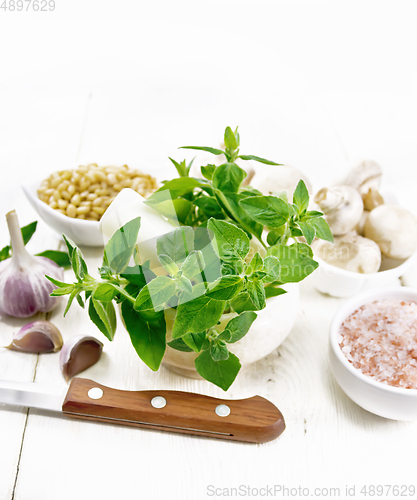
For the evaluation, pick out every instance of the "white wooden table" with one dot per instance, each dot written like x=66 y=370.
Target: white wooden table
x=329 y=441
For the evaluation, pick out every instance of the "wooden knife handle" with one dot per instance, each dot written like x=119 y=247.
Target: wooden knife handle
x=254 y=420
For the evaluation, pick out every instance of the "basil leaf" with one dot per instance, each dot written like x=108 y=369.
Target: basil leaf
x=197 y=315
x=60 y=258
x=219 y=351
x=178 y=244
x=295 y=261
x=230 y=139
x=301 y=197
x=308 y=231
x=208 y=171
x=214 y=151
x=193 y=265
x=272 y=269
x=220 y=373
x=105 y=292
x=239 y=326
x=147 y=333
x=121 y=245
x=226 y=288
x=194 y=340
x=257 y=158
x=155 y=294
x=323 y=230
x=271 y=291
x=267 y=210
x=256 y=293
x=103 y=316
x=232 y=243
x=168 y=264
x=28 y=231
x=228 y=177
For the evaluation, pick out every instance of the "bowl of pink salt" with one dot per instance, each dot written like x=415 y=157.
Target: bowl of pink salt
x=373 y=351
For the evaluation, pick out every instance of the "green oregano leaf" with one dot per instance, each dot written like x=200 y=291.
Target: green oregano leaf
x=220 y=373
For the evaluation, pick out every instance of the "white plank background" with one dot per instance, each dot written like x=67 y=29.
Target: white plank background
x=44 y=457
x=136 y=102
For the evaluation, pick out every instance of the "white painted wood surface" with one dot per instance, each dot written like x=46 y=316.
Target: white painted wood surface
x=329 y=441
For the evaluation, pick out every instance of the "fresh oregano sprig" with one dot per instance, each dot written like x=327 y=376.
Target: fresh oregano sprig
x=207 y=266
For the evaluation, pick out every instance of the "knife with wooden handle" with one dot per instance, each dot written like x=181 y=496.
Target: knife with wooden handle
x=252 y=420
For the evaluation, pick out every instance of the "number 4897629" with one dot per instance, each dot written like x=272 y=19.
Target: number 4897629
x=26 y=5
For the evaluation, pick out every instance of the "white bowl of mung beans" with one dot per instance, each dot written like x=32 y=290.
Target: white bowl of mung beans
x=72 y=202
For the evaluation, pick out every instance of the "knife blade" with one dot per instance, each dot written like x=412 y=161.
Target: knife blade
x=252 y=420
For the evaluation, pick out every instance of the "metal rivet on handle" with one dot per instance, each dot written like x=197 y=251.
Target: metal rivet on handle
x=223 y=411
x=158 y=402
x=95 y=393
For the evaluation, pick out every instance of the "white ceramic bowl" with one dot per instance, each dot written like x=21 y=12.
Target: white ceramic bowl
x=376 y=397
x=81 y=232
x=268 y=331
x=341 y=283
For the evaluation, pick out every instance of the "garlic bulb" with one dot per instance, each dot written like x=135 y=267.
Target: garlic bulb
x=342 y=207
x=24 y=290
x=350 y=252
x=394 y=228
x=276 y=179
x=78 y=354
x=364 y=176
x=37 y=337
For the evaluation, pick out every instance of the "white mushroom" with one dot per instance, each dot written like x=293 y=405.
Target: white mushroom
x=372 y=199
x=276 y=179
x=394 y=228
x=360 y=227
x=342 y=206
x=350 y=252
x=367 y=174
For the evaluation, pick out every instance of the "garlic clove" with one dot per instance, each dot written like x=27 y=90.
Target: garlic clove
x=342 y=207
x=37 y=337
x=78 y=354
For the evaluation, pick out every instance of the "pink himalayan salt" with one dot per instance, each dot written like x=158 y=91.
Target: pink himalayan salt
x=380 y=340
